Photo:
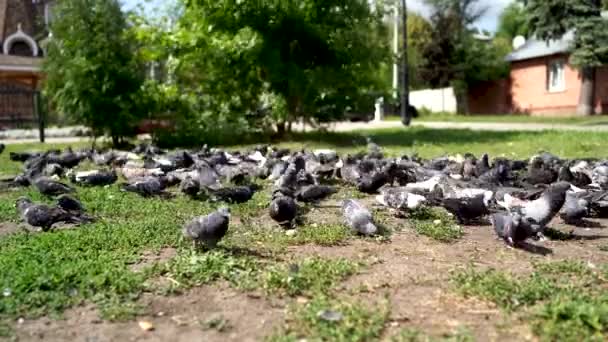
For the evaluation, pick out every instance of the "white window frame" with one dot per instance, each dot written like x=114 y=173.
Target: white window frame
x=556 y=75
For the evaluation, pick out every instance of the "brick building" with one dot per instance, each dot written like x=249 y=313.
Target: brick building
x=541 y=83
x=23 y=31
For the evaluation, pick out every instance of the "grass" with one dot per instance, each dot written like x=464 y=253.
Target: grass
x=436 y=224
x=508 y=118
x=564 y=300
x=413 y=335
x=352 y=321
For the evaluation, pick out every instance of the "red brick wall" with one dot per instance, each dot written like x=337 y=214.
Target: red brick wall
x=601 y=90
x=491 y=97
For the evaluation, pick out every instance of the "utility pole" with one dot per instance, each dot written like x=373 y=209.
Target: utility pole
x=405 y=84
x=396 y=34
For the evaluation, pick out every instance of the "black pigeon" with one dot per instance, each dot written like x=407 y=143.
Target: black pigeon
x=314 y=193
x=146 y=187
x=2 y=147
x=237 y=194
x=466 y=209
x=22 y=156
x=190 y=186
x=358 y=218
x=370 y=184
x=95 y=177
x=74 y=207
x=208 y=230
x=350 y=170
x=43 y=216
x=283 y=209
x=50 y=187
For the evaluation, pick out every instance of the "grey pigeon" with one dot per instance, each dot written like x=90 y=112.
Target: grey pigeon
x=94 y=177
x=190 y=186
x=574 y=209
x=482 y=166
x=283 y=209
x=146 y=187
x=350 y=171
x=370 y=183
x=510 y=228
x=600 y=176
x=358 y=218
x=578 y=179
x=400 y=198
x=41 y=215
x=540 y=173
x=540 y=212
x=50 y=187
x=208 y=230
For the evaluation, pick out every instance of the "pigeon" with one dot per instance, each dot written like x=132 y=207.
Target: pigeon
x=510 y=228
x=208 y=230
x=22 y=156
x=283 y=209
x=358 y=218
x=146 y=187
x=600 y=177
x=579 y=179
x=539 y=173
x=50 y=187
x=574 y=209
x=41 y=215
x=94 y=177
x=482 y=166
x=2 y=147
x=313 y=193
x=237 y=194
x=400 y=198
x=374 y=151
x=349 y=171
x=74 y=207
x=466 y=209
x=190 y=186
x=540 y=212
x=370 y=184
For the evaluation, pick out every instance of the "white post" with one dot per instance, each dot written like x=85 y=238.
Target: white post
x=379 y=112
x=396 y=53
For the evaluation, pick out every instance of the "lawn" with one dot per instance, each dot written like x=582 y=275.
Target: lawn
x=424 y=279
x=508 y=118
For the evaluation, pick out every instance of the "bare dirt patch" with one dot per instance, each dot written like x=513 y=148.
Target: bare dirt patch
x=208 y=313
x=7 y=228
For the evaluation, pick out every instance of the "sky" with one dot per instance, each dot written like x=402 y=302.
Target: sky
x=487 y=22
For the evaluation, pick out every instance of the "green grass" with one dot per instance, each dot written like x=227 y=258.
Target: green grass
x=508 y=118
x=564 y=300
x=357 y=321
x=429 y=143
x=413 y=335
x=437 y=224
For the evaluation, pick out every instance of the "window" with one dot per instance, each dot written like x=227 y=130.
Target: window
x=556 y=78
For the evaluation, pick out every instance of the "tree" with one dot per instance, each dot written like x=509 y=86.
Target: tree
x=448 y=60
x=513 y=22
x=92 y=74
x=551 y=19
x=318 y=57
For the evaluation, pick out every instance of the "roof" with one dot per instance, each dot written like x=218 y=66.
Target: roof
x=19 y=63
x=535 y=48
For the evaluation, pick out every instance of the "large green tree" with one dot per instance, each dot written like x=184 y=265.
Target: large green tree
x=551 y=19
x=90 y=66
x=513 y=22
x=316 y=58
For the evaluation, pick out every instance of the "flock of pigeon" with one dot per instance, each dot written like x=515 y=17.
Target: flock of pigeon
x=519 y=197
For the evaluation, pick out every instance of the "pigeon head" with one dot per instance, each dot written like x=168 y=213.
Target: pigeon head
x=23 y=203
x=224 y=211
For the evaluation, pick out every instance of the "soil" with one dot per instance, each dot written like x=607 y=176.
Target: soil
x=411 y=271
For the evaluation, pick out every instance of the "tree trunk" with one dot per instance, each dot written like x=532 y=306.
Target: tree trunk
x=406 y=117
x=281 y=126
x=587 y=96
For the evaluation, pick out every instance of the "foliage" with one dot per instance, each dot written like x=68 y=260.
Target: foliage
x=317 y=58
x=513 y=22
x=91 y=71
